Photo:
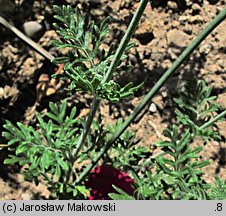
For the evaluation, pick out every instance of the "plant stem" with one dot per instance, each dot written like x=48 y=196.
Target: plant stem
x=207 y=124
x=125 y=40
x=132 y=27
x=26 y=39
x=87 y=126
x=214 y=23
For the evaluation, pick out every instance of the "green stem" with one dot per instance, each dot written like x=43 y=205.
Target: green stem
x=87 y=126
x=89 y=120
x=214 y=23
x=125 y=40
x=129 y=33
x=207 y=124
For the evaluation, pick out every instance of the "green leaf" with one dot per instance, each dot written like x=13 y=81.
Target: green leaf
x=63 y=164
x=121 y=196
x=61 y=189
x=80 y=22
x=46 y=159
x=24 y=129
x=163 y=144
x=56 y=9
x=86 y=41
x=175 y=134
x=53 y=117
x=13 y=141
x=83 y=190
x=168 y=161
x=11 y=160
x=40 y=120
x=34 y=164
x=75 y=192
x=63 y=108
x=23 y=147
x=59 y=18
x=104 y=24
x=7 y=135
x=130 y=45
x=201 y=164
x=61 y=60
x=184 y=140
x=58 y=172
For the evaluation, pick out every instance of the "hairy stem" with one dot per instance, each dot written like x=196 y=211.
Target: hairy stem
x=132 y=27
x=212 y=25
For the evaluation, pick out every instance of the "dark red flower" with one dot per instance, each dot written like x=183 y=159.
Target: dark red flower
x=102 y=178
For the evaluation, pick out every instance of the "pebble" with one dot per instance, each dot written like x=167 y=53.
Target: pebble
x=133 y=59
x=33 y=29
x=152 y=108
x=164 y=94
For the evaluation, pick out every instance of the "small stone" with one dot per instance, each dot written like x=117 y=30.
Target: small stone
x=133 y=59
x=164 y=94
x=33 y=29
x=152 y=108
